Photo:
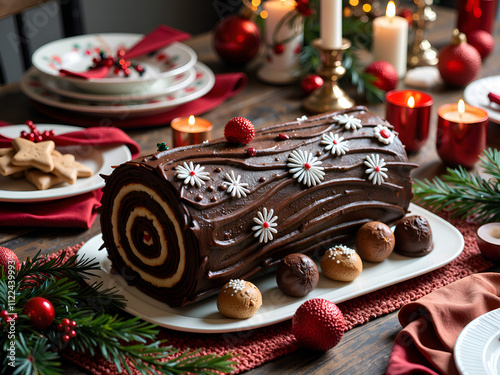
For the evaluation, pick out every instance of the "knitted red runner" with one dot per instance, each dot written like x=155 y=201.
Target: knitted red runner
x=256 y=347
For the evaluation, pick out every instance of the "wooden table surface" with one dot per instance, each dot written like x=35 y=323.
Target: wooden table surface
x=264 y=105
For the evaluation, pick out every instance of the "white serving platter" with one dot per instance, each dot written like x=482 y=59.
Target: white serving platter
x=203 y=316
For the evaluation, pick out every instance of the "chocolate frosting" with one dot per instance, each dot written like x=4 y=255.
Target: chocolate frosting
x=297 y=275
x=413 y=236
x=210 y=233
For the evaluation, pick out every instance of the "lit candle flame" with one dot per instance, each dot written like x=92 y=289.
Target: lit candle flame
x=391 y=9
x=191 y=120
x=461 y=107
x=411 y=102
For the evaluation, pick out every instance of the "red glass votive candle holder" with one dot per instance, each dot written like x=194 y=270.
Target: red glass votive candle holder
x=190 y=131
x=476 y=15
x=409 y=111
x=461 y=135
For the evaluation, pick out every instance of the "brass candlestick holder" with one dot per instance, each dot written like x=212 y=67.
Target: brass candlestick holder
x=422 y=53
x=329 y=97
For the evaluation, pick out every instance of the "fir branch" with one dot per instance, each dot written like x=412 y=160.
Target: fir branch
x=466 y=193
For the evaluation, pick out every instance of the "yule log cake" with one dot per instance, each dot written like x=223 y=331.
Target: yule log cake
x=180 y=223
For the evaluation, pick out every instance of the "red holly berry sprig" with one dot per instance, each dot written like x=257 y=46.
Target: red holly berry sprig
x=67 y=327
x=4 y=314
x=121 y=66
x=35 y=135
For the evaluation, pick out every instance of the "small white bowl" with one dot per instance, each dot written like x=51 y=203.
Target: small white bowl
x=488 y=240
x=76 y=54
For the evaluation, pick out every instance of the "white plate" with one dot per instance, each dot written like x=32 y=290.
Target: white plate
x=204 y=81
x=477 y=350
x=204 y=317
x=99 y=159
x=476 y=94
x=76 y=54
x=158 y=89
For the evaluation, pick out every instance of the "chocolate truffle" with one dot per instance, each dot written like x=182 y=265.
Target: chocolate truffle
x=297 y=275
x=374 y=241
x=239 y=299
x=341 y=263
x=413 y=236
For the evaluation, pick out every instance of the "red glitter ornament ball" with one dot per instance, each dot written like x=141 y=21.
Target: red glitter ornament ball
x=386 y=76
x=40 y=311
x=311 y=82
x=459 y=62
x=318 y=324
x=236 y=39
x=482 y=41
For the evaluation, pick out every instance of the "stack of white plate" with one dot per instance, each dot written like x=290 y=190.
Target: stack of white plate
x=172 y=77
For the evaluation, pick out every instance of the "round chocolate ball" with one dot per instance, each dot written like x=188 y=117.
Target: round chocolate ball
x=413 y=236
x=297 y=275
x=374 y=241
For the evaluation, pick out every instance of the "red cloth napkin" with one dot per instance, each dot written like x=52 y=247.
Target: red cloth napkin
x=154 y=40
x=432 y=324
x=226 y=86
x=79 y=211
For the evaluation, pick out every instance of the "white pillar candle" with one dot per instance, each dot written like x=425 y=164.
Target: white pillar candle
x=276 y=10
x=331 y=24
x=390 y=39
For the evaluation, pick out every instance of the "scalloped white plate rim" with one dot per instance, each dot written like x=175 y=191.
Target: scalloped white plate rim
x=125 y=109
x=476 y=94
x=203 y=317
x=110 y=156
x=158 y=89
x=477 y=349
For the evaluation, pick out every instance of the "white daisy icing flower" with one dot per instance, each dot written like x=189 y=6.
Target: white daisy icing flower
x=384 y=134
x=265 y=225
x=335 y=143
x=349 y=121
x=192 y=174
x=376 y=169
x=305 y=167
x=235 y=187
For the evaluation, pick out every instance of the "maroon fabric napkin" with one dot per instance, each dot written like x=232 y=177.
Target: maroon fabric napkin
x=79 y=211
x=226 y=86
x=151 y=42
x=432 y=324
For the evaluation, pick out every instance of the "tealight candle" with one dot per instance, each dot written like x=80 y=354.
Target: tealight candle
x=409 y=111
x=461 y=134
x=190 y=131
x=331 y=24
x=390 y=39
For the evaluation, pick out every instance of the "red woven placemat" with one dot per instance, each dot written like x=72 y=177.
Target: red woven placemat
x=256 y=347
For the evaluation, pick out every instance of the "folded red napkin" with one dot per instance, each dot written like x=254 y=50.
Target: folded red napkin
x=160 y=37
x=226 y=86
x=78 y=211
x=432 y=324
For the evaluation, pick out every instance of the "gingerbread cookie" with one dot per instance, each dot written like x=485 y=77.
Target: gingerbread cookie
x=37 y=155
x=6 y=166
x=42 y=180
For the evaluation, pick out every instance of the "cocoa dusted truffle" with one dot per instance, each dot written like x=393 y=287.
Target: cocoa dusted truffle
x=375 y=241
x=297 y=275
x=413 y=236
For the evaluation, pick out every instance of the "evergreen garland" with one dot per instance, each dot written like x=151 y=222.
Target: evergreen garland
x=466 y=193
x=99 y=330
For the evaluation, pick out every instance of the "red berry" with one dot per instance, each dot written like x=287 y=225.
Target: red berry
x=65 y=322
x=72 y=324
x=31 y=137
x=251 y=151
x=318 y=324
x=67 y=329
x=239 y=130
x=283 y=136
x=30 y=124
x=24 y=134
x=59 y=327
x=38 y=138
x=7 y=257
x=65 y=338
x=40 y=311
x=72 y=333
x=278 y=48
x=4 y=314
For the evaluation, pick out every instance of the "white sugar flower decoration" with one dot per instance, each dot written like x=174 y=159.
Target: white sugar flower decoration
x=349 y=121
x=265 y=225
x=192 y=174
x=305 y=167
x=376 y=169
x=335 y=143
x=383 y=134
x=235 y=187
x=303 y=118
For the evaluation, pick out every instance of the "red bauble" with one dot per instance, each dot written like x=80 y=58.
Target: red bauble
x=311 y=82
x=482 y=41
x=459 y=62
x=40 y=311
x=236 y=39
x=386 y=76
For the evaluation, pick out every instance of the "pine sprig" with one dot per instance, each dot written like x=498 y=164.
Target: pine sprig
x=465 y=193
x=33 y=356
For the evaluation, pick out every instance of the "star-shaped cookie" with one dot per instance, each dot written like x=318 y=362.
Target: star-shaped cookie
x=67 y=168
x=37 y=155
x=6 y=167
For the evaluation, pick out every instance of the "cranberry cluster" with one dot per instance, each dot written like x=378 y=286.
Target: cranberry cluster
x=4 y=314
x=35 y=135
x=119 y=63
x=68 y=328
